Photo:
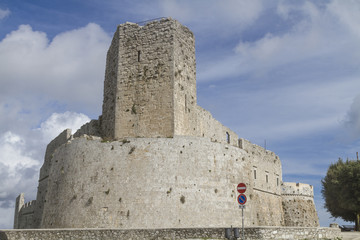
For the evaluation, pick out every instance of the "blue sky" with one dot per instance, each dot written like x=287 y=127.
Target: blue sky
x=284 y=72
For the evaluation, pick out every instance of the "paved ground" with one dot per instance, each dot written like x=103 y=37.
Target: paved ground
x=350 y=235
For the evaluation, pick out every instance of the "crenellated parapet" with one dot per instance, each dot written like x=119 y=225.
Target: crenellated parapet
x=29 y=205
x=24 y=213
x=297 y=189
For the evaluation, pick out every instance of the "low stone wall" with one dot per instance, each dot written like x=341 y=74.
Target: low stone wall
x=251 y=233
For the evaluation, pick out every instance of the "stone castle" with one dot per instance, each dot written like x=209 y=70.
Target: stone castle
x=154 y=158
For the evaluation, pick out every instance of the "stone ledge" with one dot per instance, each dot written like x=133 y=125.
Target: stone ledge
x=251 y=233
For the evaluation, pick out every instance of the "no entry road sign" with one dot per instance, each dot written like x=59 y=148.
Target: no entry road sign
x=242 y=199
x=241 y=187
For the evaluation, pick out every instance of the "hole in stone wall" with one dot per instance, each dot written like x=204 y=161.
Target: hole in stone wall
x=89 y=202
x=73 y=198
x=139 y=56
x=182 y=199
x=132 y=150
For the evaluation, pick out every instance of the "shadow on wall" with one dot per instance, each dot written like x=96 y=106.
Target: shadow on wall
x=3 y=236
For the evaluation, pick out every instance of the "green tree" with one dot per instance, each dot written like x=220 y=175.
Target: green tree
x=341 y=190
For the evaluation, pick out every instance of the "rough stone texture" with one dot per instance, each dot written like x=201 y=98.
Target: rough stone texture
x=298 y=205
x=256 y=233
x=150 y=85
x=145 y=182
x=44 y=175
x=155 y=159
x=265 y=171
x=28 y=215
x=151 y=183
x=138 y=89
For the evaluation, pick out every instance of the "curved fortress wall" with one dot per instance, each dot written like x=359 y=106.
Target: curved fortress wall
x=298 y=205
x=155 y=183
x=155 y=159
x=143 y=183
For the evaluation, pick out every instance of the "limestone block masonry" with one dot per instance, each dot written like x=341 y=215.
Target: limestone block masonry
x=251 y=233
x=156 y=160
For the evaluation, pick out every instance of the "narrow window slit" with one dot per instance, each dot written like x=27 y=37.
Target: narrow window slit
x=185 y=103
x=139 y=56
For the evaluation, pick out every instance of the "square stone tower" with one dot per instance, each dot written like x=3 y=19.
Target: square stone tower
x=150 y=81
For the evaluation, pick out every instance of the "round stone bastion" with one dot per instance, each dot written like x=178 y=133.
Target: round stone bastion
x=150 y=183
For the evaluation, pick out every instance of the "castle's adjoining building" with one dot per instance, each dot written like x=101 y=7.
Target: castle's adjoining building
x=154 y=158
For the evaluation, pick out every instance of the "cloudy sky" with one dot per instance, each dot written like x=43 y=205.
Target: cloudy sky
x=281 y=72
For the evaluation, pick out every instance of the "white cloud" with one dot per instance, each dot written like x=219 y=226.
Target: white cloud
x=318 y=36
x=21 y=156
x=58 y=122
x=288 y=84
x=13 y=154
x=37 y=77
x=4 y=13
x=69 y=69
x=18 y=171
x=324 y=35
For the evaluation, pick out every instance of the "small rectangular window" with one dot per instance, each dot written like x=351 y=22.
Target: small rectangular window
x=254 y=173
x=139 y=56
x=267 y=178
x=277 y=181
x=227 y=137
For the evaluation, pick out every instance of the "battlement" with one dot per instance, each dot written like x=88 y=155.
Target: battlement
x=29 y=204
x=297 y=189
x=24 y=212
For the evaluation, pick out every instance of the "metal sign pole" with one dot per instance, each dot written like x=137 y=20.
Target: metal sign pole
x=242 y=214
x=241 y=188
